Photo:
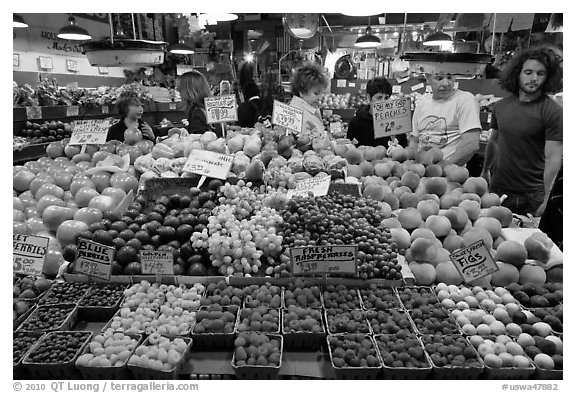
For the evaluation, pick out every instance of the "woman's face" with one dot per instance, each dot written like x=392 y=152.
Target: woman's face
x=135 y=111
x=313 y=95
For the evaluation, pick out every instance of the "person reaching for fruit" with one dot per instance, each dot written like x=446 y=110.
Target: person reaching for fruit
x=130 y=124
x=449 y=119
x=308 y=85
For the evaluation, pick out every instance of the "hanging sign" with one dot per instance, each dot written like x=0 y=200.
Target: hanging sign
x=28 y=254
x=474 y=261
x=391 y=117
x=157 y=262
x=324 y=260
x=220 y=109
x=209 y=163
x=287 y=116
x=94 y=259
x=89 y=132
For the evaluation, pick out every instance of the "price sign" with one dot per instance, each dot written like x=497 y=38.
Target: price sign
x=72 y=86
x=474 y=261
x=28 y=254
x=287 y=116
x=72 y=111
x=352 y=84
x=324 y=260
x=209 y=163
x=396 y=89
x=94 y=259
x=33 y=112
x=89 y=132
x=172 y=106
x=220 y=109
x=341 y=83
x=105 y=110
x=157 y=262
x=336 y=127
x=417 y=87
x=391 y=117
x=317 y=185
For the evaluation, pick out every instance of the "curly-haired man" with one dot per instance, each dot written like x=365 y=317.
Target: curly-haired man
x=526 y=142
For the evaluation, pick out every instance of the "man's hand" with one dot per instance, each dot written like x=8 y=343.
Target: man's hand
x=147 y=131
x=540 y=210
x=486 y=175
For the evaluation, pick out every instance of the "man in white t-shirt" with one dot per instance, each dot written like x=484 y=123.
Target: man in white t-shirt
x=449 y=120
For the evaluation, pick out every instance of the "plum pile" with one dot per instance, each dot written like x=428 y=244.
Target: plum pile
x=66 y=292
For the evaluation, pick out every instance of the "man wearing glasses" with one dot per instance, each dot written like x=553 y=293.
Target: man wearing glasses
x=361 y=127
x=449 y=119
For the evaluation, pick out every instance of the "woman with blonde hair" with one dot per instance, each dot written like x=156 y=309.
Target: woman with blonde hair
x=193 y=88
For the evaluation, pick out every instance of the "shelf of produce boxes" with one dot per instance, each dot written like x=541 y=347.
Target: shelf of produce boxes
x=29 y=153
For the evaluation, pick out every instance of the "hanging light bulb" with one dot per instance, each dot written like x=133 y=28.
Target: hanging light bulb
x=181 y=48
x=73 y=31
x=437 y=38
x=368 y=40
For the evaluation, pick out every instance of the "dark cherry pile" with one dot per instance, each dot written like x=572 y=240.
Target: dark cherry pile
x=340 y=219
x=59 y=347
x=66 y=292
x=103 y=296
x=46 y=132
x=47 y=318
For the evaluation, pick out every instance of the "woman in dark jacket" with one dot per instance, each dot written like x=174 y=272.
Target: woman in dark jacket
x=130 y=110
x=252 y=109
x=193 y=88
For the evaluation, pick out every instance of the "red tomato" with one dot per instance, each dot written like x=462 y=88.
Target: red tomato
x=49 y=189
x=48 y=200
x=35 y=225
x=78 y=184
x=55 y=149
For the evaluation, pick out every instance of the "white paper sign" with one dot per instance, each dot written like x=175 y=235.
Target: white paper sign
x=220 y=109
x=391 y=117
x=341 y=83
x=417 y=87
x=89 y=132
x=94 y=259
x=157 y=262
x=33 y=112
x=474 y=261
x=396 y=89
x=28 y=254
x=287 y=116
x=72 y=111
x=317 y=185
x=324 y=260
x=209 y=163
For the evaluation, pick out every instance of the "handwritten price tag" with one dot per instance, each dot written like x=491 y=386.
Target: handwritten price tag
x=89 y=132
x=396 y=89
x=417 y=87
x=94 y=259
x=221 y=109
x=157 y=262
x=317 y=186
x=324 y=260
x=209 y=163
x=33 y=112
x=391 y=117
x=287 y=116
x=474 y=261
x=28 y=254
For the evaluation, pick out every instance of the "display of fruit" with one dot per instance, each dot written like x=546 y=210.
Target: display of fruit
x=297 y=319
x=353 y=321
x=353 y=350
x=537 y=296
x=343 y=219
x=452 y=296
x=414 y=297
x=58 y=347
x=343 y=101
x=552 y=316
x=259 y=319
x=66 y=292
x=480 y=322
x=21 y=343
x=47 y=131
x=172 y=322
x=183 y=297
x=48 y=318
x=450 y=351
x=391 y=321
x=103 y=296
x=430 y=319
x=545 y=352
x=489 y=299
x=144 y=295
x=298 y=294
x=500 y=352
x=257 y=349
x=267 y=295
x=108 y=349
x=160 y=353
x=20 y=307
x=379 y=298
x=222 y=294
x=216 y=319
x=341 y=297
x=30 y=287
x=402 y=351
x=132 y=321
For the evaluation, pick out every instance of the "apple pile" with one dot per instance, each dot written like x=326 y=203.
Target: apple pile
x=404 y=351
x=216 y=319
x=257 y=349
x=341 y=297
x=430 y=319
x=353 y=321
x=132 y=321
x=47 y=318
x=30 y=287
x=414 y=297
x=297 y=293
x=46 y=132
x=259 y=319
x=108 y=349
x=450 y=351
x=160 y=353
x=353 y=350
x=66 y=292
x=379 y=298
x=58 y=347
x=267 y=295
x=103 y=296
x=222 y=294
x=391 y=321
x=502 y=352
x=545 y=352
x=537 y=296
x=298 y=319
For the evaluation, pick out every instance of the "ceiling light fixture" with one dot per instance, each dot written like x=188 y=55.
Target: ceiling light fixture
x=18 y=22
x=368 y=40
x=219 y=17
x=73 y=31
x=181 y=49
x=437 y=38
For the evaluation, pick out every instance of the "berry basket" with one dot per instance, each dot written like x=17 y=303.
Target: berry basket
x=139 y=331
x=17 y=368
x=398 y=290
x=356 y=295
x=455 y=372
x=92 y=313
x=303 y=340
x=57 y=370
x=148 y=373
x=248 y=297
x=239 y=321
x=256 y=371
x=389 y=372
x=328 y=318
x=376 y=329
x=420 y=330
x=505 y=372
x=318 y=302
x=368 y=298
x=214 y=340
x=120 y=372
x=355 y=372
x=48 y=298
x=68 y=323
